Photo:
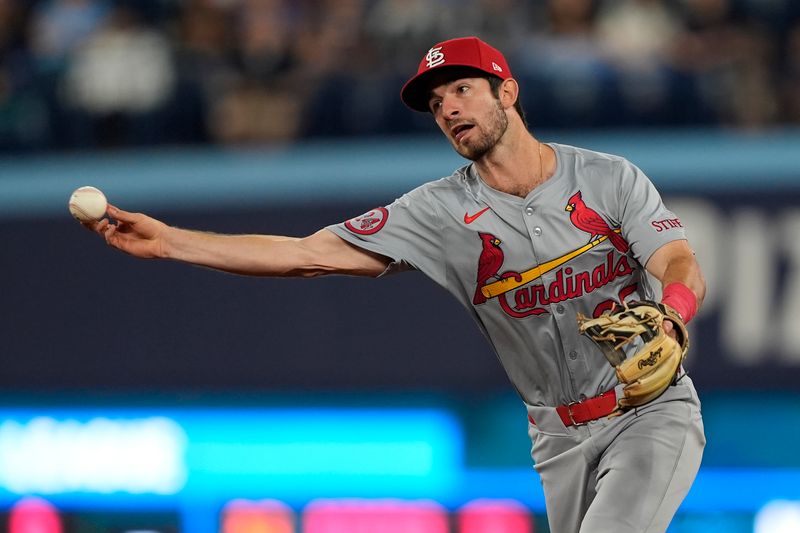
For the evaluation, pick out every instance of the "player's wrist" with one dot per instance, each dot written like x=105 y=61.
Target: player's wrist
x=168 y=237
x=682 y=299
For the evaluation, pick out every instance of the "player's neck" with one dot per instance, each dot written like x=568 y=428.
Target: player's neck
x=517 y=164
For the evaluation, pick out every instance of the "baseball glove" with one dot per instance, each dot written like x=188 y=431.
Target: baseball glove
x=654 y=366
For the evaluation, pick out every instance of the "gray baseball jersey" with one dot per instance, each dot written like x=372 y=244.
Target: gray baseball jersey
x=525 y=267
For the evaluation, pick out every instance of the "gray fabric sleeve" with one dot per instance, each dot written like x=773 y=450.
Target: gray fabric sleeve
x=646 y=222
x=408 y=231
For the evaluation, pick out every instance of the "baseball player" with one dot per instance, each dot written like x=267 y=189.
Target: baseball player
x=526 y=236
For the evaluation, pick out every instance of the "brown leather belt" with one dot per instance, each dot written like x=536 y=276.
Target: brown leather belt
x=579 y=413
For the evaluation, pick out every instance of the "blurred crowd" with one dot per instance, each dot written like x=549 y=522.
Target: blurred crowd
x=106 y=73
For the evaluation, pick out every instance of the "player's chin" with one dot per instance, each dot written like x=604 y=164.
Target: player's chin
x=461 y=147
x=469 y=152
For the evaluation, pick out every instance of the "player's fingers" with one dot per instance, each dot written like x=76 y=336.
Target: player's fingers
x=96 y=226
x=108 y=232
x=99 y=226
x=118 y=214
x=669 y=328
x=91 y=226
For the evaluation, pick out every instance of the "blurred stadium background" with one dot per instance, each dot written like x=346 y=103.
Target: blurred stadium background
x=142 y=396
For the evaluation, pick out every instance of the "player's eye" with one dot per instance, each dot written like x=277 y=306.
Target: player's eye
x=463 y=88
x=434 y=105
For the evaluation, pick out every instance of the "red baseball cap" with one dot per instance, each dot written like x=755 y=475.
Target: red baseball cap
x=462 y=52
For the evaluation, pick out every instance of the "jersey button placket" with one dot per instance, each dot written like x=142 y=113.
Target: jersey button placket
x=535 y=231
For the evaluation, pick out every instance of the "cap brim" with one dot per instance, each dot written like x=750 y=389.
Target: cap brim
x=415 y=93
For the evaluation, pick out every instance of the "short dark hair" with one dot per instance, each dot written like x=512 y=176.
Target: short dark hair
x=495 y=83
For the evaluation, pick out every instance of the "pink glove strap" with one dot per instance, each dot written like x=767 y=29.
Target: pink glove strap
x=682 y=299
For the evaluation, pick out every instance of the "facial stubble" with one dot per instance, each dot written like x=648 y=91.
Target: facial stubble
x=488 y=138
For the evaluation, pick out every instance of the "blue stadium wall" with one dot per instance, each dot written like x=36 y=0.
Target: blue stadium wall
x=86 y=330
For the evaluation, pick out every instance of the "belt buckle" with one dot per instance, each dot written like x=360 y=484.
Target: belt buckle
x=571 y=418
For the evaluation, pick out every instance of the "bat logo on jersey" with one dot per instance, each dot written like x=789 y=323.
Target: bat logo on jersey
x=534 y=299
x=368 y=223
x=588 y=220
x=528 y=298
x=489 y=264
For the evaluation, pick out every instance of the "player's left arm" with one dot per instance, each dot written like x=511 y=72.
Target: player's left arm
x=675 y=266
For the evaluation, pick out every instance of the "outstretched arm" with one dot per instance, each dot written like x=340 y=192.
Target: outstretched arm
x=253 y=255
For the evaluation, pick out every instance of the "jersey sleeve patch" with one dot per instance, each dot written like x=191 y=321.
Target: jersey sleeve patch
x=369 y=223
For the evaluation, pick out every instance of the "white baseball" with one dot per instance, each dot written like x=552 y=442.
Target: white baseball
x=88 y=204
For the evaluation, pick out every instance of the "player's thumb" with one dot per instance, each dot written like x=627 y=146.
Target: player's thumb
x=669 y=328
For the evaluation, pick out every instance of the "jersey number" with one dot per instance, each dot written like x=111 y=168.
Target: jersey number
x=608 y=305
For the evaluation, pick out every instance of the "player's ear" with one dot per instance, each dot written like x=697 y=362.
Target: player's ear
x=509 y=92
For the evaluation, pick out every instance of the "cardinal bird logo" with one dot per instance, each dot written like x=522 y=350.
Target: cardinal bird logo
x=489 y=264
x=588 y=220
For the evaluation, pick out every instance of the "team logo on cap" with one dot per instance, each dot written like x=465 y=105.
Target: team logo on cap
x=434 y=57
x=496 y=67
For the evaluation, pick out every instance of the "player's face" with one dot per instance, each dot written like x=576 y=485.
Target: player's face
x=469 y=115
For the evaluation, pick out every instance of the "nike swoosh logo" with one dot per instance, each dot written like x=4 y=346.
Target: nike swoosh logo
x=469 y=219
